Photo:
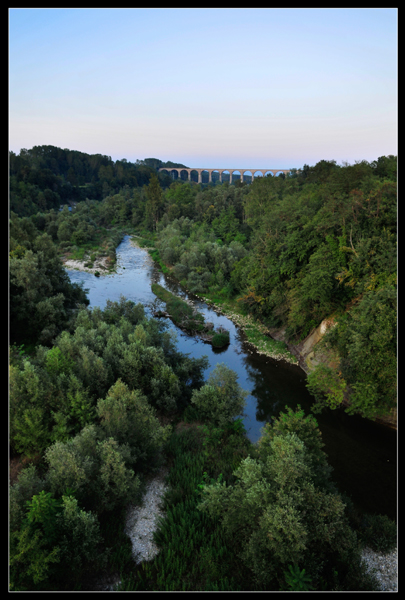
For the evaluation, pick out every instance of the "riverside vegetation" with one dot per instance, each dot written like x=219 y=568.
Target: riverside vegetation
x=187 y=318
x=100 y=398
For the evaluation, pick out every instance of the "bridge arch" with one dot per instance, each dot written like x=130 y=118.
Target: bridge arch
x=236 y=175
x=194 y=175
x=215 y=176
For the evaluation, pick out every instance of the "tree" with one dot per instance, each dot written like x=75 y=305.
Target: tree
x=127 y=416
x=154 y=204
x=282 y=510
x=221 y=399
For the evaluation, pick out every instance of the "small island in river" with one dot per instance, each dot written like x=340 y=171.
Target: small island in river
x=189 y=319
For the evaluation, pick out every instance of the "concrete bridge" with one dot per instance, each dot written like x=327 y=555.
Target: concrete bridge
x=242 y=172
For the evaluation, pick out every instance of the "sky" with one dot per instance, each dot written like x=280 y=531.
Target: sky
x=208 y=88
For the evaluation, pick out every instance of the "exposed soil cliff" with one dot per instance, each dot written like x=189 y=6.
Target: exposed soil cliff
x=309 y=354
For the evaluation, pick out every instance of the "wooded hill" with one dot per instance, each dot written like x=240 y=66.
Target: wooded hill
x=95 y=395
x=46 y=176
x=318 y=244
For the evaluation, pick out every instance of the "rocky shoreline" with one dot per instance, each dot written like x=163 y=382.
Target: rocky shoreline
x=100 y=265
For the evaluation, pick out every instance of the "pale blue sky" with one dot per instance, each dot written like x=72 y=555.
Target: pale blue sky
x=260 y=88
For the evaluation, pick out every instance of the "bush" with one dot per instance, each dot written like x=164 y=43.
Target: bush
x=96 y=469
x=74 y=464
x=221 y=399
x=220 y=339
x=28 y=484
x=379 y=533
x=127 y=416
x=278 y=513
x=79 y=540
x=54 y=533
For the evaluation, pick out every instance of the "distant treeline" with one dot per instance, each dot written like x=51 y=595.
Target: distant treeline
x=46 y=176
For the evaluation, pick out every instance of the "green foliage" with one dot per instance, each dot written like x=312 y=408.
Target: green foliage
x=305 y=427
x=80 y=539
x=327 y=386
x=118 y=484
x=43 y=510
x=297 y=580
x=379 y=533
x=193 y=554
x=31 y=559
x=29 y=483
x=96 y=468
x=56 y=363
x=54 y=533
x=221 y=399
x=30 y=434
x=187 y=318
x=154 y=204
x=41 y=294
x=281 y=511
x=81 y=410
x=367 y=343
x=127 y=417
x=220 y=340
x=74 y=464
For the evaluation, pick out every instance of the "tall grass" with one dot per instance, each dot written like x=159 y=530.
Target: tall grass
x=194 y=555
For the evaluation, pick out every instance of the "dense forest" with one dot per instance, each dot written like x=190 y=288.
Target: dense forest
x=95 y=395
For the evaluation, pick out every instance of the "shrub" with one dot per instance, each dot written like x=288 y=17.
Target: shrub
x=127 y=416
x=116 y=484
x=297 y=580
x=28 y=484
x=74 y=464
x=79 y=540
x=221 y=399
x=220 y=339
x=307 y=430
x=96 y=468
x=379 y=533
x=276 y=514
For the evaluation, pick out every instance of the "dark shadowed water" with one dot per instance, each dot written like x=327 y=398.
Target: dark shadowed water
x=363 y=454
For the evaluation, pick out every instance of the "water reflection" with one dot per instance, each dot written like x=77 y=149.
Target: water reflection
x=362 y=453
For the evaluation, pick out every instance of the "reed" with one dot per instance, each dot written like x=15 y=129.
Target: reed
x=194 y=555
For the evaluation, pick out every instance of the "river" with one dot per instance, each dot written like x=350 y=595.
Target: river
x=363 y=454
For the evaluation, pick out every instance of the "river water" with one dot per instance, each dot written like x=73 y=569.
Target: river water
x=362 y=453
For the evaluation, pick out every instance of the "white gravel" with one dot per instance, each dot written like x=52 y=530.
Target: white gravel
x=142 y=520
x=384 y=567
x=100 y=265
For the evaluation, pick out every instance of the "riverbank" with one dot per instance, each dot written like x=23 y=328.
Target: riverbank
x=186 y=317
x=271 y=342
x=100 y=265
x=257 y=334
x=97 y=256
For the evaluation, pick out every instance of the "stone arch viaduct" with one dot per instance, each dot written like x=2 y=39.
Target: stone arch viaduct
x=252 y=172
